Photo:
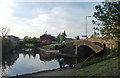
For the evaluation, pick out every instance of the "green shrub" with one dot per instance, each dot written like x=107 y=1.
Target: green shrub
x=29 y=45
x=114 y=52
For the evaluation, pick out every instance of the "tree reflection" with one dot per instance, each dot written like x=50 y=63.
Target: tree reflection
x=8 y=59
x=29 y=55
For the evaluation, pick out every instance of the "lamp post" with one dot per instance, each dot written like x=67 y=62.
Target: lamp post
x=86 y=25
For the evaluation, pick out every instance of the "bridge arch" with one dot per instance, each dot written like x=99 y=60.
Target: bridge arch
x=84 y=51
x=96 y=48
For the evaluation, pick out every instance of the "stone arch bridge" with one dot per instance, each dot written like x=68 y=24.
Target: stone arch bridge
x=96 y=48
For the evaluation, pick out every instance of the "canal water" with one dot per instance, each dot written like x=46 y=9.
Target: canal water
x=22 y=63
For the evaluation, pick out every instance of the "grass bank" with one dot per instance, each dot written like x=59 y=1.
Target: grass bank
x=48 y=46
x=29 y=45
x=108 y=67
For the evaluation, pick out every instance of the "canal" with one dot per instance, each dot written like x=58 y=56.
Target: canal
x=18 y=63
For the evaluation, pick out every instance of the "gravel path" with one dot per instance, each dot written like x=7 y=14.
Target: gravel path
x=55 y=72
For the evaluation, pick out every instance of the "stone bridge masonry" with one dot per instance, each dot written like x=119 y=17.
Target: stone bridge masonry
x=93 y=46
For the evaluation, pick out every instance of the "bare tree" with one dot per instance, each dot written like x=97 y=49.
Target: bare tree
x=4 y=31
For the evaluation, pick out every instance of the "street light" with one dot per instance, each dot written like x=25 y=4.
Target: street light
x=86 y=25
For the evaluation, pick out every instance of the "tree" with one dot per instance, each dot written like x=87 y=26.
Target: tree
x=61 y=38
x=64 y=33
x=7 y=45
x=58 y=37
x=108 y=20
x=27 y=39
x=38 y=39
x=4 y=31
x=94 y=35
x=34 y=41
x=64 y=36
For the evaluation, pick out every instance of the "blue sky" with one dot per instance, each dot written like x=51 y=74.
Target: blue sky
x=34 y=18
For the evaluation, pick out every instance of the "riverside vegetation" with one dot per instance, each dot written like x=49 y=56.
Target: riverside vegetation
x=108 y=67
x=100 y=66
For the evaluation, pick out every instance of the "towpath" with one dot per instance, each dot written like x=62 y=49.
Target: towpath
x=48 y=73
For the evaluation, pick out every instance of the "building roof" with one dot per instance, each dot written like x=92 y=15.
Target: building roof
x=47 y=35
x=70 y=39
x=8 y=36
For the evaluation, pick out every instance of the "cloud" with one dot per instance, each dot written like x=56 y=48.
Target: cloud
x=54 y=19
x=6 y=11
x=7 y=18
x=71 y=19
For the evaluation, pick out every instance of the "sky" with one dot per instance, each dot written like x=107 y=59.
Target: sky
x=35 y=18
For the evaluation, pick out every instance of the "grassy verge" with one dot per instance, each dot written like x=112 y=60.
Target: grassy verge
x=107 y=67
x=48 y=46
x=93 y=61
x=29 y=45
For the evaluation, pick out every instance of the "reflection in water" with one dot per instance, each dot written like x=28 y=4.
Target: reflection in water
x=28 y=62
x=8 y=59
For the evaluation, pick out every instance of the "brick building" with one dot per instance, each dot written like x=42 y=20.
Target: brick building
x=47 y=39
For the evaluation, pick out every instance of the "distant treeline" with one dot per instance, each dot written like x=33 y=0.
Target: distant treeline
x=30 y=42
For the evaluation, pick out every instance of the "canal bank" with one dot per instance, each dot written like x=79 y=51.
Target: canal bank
x=54 y=72
x=105 y=67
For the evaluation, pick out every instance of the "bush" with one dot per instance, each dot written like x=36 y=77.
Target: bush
x=114 y=52
x=29 y=45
